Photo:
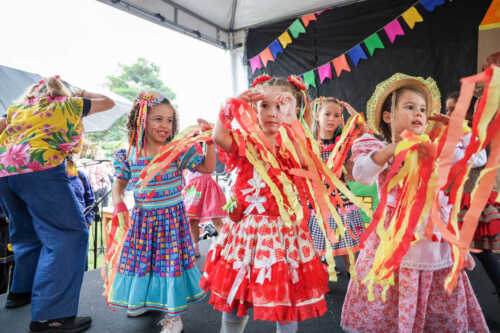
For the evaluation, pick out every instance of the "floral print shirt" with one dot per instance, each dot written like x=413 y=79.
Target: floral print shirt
x=41 y=133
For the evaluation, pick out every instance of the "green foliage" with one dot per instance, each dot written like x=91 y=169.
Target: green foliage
x=143 y=75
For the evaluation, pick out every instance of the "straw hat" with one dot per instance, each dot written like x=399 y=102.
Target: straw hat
x=399 y=80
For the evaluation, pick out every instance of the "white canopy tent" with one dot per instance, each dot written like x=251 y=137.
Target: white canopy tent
x=222 y=23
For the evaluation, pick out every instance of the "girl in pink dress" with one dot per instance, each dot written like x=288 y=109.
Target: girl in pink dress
x=417 y=302
x=203 y=199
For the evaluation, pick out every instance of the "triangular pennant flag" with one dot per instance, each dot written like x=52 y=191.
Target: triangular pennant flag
x=296 y=28
x=430 y=5
x=491 y=19
x=412 y=16
x=308 y=18
x=340 y=64
x=310 y=79
x=285 y=39
x=255 y=63
x=356 y=54
x=319 y=12
x=325 y=71
x=275 y=48
x=266 y=56
x=394 y=29
x=373 y=42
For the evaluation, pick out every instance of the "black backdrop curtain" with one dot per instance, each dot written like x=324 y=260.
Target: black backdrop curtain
x=443 y=46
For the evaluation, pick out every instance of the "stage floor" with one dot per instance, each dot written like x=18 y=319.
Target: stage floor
x=202 y=318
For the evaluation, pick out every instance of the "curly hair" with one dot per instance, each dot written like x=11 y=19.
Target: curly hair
x=134 y=113
x=52 y=86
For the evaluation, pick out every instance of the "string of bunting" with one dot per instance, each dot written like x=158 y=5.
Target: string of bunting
x=295 y=29
x=373 y=42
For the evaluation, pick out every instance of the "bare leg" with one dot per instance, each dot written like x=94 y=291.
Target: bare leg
x=217 y=223
x=195 y=229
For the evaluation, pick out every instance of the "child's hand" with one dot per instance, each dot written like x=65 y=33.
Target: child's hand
x=251 y=96
x=204 y=125
x=469 y=262
x=288 y=105
x=352 y=111
x=442 y=118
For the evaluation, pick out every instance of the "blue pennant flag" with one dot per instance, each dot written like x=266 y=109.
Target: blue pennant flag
x=275 y=48
x=430 y=5
x=356 y=54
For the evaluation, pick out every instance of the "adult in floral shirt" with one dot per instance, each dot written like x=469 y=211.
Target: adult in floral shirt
x=47 y=229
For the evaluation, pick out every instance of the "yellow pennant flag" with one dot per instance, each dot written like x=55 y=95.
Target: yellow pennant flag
x=285 y=39
x=412 y=16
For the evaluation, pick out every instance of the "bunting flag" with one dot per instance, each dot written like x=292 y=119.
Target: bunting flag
x=356 y=54
x=430 y=5
x=340 y=64
x=325 y=71
x=394 y=29
x=373 y=42
x=491 y=19
x=266 y=56
x=255 y=63
x=412 y=16
x=310 y=79
x=275 y=48
x=296 y=28
x=308 y=18
x=285 y=39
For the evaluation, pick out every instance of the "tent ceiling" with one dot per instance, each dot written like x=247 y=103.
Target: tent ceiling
x=220 y=22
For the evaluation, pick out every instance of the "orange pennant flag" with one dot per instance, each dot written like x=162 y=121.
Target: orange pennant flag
x=492 y=18
x=340 y=64
x=266 y=56
x=308 y=18
x=412 y=16
x=285 y=39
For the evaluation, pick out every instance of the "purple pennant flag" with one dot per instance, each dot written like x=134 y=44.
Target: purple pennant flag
x=394 y=29
x=255 y=63
x=325 y=71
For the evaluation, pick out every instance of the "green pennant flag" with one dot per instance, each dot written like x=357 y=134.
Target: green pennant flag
x=297 y=28
x=373 y=42
x=310 y=79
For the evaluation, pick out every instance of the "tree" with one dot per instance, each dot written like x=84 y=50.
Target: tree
x=143 y=75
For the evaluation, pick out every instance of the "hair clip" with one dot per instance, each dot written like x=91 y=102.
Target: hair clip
x=298 y=82
x=260 y=79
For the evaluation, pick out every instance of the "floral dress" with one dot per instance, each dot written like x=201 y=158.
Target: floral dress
x=261 y=263
x=157 y=268
x=418 y=301
x=41 y=133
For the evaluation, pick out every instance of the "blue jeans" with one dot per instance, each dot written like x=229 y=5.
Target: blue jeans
x=49 y=237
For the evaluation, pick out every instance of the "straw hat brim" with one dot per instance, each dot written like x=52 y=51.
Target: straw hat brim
x=395 y=82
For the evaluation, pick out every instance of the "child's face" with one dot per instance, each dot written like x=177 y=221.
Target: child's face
x=450 y=105
x=329 y=117
x=270 y=112
x=159 y=123
x=410 y=113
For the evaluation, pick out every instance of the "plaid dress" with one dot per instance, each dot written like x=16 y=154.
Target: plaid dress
x=350 y=215
x=157 y=268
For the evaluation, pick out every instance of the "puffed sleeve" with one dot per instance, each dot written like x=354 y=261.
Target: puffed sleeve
x=365 y=170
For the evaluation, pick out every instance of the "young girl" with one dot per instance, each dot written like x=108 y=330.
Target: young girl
x=418 y=301
x=47 y=229
x=157 y=269
x=261 y=262
x=328 y=124
x=204 y=199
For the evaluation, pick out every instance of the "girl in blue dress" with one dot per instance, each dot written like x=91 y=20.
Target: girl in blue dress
x=157 y=268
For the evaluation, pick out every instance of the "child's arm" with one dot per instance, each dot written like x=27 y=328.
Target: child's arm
x=222 y=136
x=370 y=157
x=118 y=191
x=208 y=164
x=382 y=156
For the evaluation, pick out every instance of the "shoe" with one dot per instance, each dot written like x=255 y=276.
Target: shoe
x=196 y=249
x=16 y=300
x=171 y=325
x=208 y=231
x=136 y=313
x=62 y=325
